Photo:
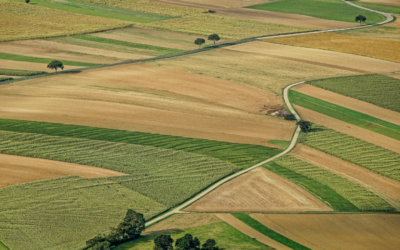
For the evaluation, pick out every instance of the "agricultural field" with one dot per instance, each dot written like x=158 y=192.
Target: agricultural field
x=392 y=7
x=380 y=90
x=386 y=2
x=258 y=190
x=390 y=31
x=336 y=231
x=370 y=47
x=25 y=21
x=356 y=151
x=326 y=9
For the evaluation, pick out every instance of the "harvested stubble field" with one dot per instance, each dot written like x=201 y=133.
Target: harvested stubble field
x=386 y=188
x=145 y=98
x=68 y=211
x=379 y=90
x=262 y=71
x=356 y=151
x=370 y=47
x=25 y=21
x=18 y=169
x=390 y=31
x=226 y=27
x=259 y=190
x=337 y=231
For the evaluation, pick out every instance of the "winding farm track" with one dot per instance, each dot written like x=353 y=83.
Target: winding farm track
x=178 y=209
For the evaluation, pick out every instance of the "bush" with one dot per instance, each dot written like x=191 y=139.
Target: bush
x=290 y=117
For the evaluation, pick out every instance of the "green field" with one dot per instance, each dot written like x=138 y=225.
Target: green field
x=3 y=79
x=269 y=232
x=63 y=213
x=226 y=237
x=326 y=9
x=19 y=72
x=319 y=190
x=128 y=44
x=242 y=155
x=380 y=90
x=280 y=143
x=380 y=7
x=359 y=196
x=344 y=114
x=3 y=247
x=96 y=10
x=359 y=152
x=42 y=60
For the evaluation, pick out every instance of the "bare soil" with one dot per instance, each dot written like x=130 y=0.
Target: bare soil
x=18 y=169
x=368 y=179
x=348 y=102
x=146 y=98
x=259 y=190
x=10 y=64
x=337 y=231
x=349 y=129
x=244 y=228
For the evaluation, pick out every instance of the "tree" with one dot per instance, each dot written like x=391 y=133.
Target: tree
x=305 y=126
x=163 y=242
x=130 y=228
x=55 y=64
x=199 y=41
x=187 y=243
x=105 y=245
x=97 y=239
x=27 y=1
x=213 y=37
x=361 y=18
x=210 y=245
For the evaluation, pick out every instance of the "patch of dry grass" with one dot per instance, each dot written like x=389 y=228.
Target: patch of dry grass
x=371 y=47
x=20 y=21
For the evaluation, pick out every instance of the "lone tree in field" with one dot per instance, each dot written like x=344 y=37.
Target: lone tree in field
x=199 y=41
x=360 y=18
x=163 y=242
x=27 y=1
x=55 y=65
x=305 y=126
x=213 y=37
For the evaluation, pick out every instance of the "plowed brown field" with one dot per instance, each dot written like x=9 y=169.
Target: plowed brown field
x=368 y=179
x=349 y=129
x=18 y=169
x=337 y=231
x=233 y=9
x=259 y=190
x=10 y=64
x=150 y=99
x=181 y=221
x=348 y=102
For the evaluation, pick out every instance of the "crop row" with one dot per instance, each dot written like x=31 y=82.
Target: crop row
x=3 y=79
x=19 y=72
x=359 y=196
x=359 y=152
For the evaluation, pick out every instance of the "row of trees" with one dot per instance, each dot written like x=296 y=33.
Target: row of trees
x=212 y=37
x=187 y=242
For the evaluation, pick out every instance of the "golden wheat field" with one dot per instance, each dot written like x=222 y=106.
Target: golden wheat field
x=371 y=47
x=149 y=6
x=226 y=27
x=25 y=21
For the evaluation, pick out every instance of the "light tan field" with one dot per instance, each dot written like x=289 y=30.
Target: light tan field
x=337 y=231
x=259 y=70
x=181 y=221
x=244 y=228
x=234 y=9
x=259 y=190
x=349 y=129
x=390 y=31
x=18 y=169
x=397 y=76
x=146 y=98
x=348 y=102
x=318 y=56
x=54 y=50
x=384 y=187
x=10 y=64
x=369 y=47
x=387 y=2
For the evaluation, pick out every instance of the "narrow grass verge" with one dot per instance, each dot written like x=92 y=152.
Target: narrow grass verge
x=20 y=72
x=280 y=143
x=344 y=114
x=269 y=232
x=42 y=60
x=319 y=190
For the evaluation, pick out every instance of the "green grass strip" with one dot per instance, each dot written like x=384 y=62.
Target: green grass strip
x=13 y=57
x=380 y=7
x=326 y=9
x=3 y=247
x=95 y=10
x=347 y=115
x=20 y=72
x=3 y=79
x=319 y=190
x=242 y=155
x=280 y=143
x=128 y=44
x=269 y=232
